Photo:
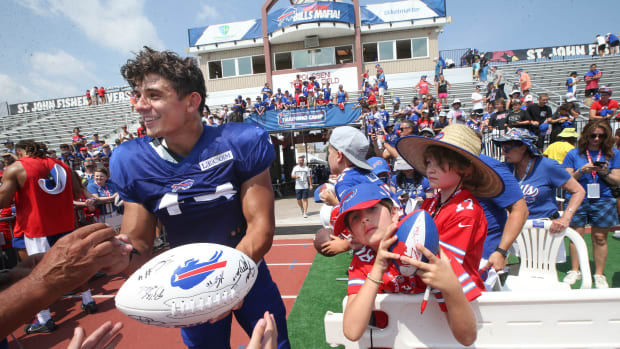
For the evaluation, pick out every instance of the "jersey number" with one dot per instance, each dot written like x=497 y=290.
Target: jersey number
x=469 y=206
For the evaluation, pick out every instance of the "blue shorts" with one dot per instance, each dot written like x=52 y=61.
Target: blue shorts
x=599 y=213
x=301 y=193
x=263 y=296
x=19 y=242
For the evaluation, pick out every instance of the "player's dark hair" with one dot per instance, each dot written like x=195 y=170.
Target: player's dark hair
x=387 y=203
x=183 y=73
x=32 y=148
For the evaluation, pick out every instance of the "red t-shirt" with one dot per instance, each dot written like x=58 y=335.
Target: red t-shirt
x=393 y=282
x=101 y=91
x=598 y=106
x=423 y=86
x=44 y=209
x=5 y=228
x=371 y=99
x=462 y=229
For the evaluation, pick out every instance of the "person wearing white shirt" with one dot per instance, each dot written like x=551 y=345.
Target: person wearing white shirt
x=476 y=99
x=303 y=183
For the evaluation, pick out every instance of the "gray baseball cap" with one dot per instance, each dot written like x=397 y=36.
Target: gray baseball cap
x=353 y=145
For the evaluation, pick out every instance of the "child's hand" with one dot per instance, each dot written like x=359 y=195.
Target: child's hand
x=383 y=253
x=437 y=273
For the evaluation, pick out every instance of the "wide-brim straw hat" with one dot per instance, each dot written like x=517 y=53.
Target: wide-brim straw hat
x=462 y=140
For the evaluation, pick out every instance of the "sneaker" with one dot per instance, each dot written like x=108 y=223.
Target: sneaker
x=616 y=234
x=572 y=277
x=302 y=210
x=600 y=281
x=90 y=308
x=37 y=327
x=305 y=215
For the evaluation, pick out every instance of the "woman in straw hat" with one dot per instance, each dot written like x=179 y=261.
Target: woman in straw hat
x=539 y=177
x=450 y=162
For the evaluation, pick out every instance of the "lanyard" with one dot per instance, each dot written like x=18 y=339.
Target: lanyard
x=598 y=157
x=527 y=170
x=435 y=210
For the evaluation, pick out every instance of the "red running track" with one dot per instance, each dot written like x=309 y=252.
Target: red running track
x=288 y=261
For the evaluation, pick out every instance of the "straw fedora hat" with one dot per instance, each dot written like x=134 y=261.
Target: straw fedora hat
x=462 y=140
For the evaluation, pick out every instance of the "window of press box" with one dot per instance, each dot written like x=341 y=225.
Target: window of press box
x=370 y=52
x=419 y=47
x=283 y=61
x=244 y=65
x=258 y=64
x=386 y=50
x=215 y=70
x=403 y=49
x=228 y=68
x=344 y=54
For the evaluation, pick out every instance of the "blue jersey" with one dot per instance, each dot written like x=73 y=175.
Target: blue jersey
x=341 y=96
x=575 y=160
x=103 y=192
x=612 y=38
x=381 y=82
x=327 y=94
x=495 y=208
x=352 y=176
x=266 y=91
x=198 y=198
x=539 y=187
x=392 y=138
x=410 y=187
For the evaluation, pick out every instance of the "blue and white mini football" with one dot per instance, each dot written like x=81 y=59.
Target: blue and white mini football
x=187 y=285
x=417 y=227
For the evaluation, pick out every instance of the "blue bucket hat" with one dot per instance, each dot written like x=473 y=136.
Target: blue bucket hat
x=379 y=165
x=358 y=198
x=520 y=135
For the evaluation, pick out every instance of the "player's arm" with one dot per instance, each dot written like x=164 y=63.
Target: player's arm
x=10 y=183
x=517 y=215
x=257 y=205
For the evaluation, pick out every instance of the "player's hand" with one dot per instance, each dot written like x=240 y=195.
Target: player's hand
x=265 y=333
x=497 y=261
x=105 y=337
x=335 y=246
x=76 y=257
x=437 y=273
x=236 y=307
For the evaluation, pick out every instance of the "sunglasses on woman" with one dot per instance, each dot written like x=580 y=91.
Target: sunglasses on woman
x=598 y=135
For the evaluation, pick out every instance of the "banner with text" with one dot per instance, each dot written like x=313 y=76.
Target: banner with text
x=225 y=32
x=345 y=76
x=65 y=102
x=402 y=11
x=543 y=52
x=304 y=118
x=321 y=11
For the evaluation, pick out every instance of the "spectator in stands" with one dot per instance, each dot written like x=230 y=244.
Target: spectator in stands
x=562 y=119
x=381 y=84
x=10 y=146
x=456 y=115
x=517 y=117
x=441 y=122
x=422 y=87
x=565 y=142
x=605 y=108
x=66 y=155
x=614 y=44
x=476 y=65
x=515 y=94
x=442 y=90
x=92 y=151
x=498 y=120
x=95 y=143
x=83 y=154
x=595 y=163
x=477 y=100
x=132 y=100
x=475 y=122
x=591 y=78
x=101 y=92
x=492 y=93
x=77 y=140
x=438 y=69
x=88 y=98
x=266 y=91
x=601 y=44
x=50 y=218
x=527 y=101
x=141 y=131
x=94 y=93
x=484 y=67
x=539 y=178
x=105 y=153
x=571 y=83
x=573 y=104
x=497 y=79
x=524 y=81
x=125 y=135
x=538 y=114
x=259 y=107
x=342 y=97
x=88 y=171
x=327 y=92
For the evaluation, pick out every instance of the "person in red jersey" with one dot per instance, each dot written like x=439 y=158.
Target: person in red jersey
x=43 y=193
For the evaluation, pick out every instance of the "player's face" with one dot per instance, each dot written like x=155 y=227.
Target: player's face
x=441 y=177
x=160 y=106
x=370 y=225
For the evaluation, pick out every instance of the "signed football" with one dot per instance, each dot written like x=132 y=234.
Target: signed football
x=187 y=285
x=416 y=228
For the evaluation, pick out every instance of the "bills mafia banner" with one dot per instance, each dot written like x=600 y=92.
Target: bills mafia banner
x=304 y=118
x=543 y=52
x=321 y=11
x=64 y=103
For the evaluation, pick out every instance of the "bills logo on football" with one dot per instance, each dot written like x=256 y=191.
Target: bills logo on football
x=192 y=272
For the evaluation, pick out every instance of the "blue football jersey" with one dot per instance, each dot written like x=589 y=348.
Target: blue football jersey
x=198 y=198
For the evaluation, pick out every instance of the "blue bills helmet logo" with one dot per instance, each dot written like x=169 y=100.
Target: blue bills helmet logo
x=56 y=182
x=192 y=272
x=186 y=184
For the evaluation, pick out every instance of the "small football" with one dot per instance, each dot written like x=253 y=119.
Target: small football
x=322 y=236
x=417 y=227
x=187 y=285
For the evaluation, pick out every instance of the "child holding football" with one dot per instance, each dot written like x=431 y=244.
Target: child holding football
x=451 y=163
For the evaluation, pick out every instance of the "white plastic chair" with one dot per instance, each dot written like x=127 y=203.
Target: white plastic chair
x=538 y=249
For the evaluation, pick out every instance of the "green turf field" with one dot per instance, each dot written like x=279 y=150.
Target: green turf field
x=321 y=292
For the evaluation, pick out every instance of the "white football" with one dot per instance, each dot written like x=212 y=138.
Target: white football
x=187 y=285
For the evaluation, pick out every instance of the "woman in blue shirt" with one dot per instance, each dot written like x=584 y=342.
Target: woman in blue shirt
x=595 y=164
x=539 y=177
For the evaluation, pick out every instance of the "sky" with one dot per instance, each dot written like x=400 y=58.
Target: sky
x=59 y=48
